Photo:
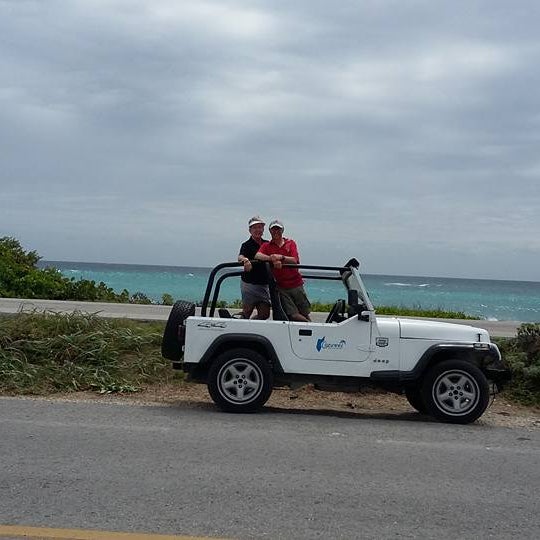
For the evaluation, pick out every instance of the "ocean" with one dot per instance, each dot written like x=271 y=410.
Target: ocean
x=487 y=299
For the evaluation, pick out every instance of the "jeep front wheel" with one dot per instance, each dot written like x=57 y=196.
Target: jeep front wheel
x=455 y=391
x=240 y=380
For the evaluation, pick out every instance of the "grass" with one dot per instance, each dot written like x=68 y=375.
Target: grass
x=416 y=311
x=42 y=353
x=420 y=312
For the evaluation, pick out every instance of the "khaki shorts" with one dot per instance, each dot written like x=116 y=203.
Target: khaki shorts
x=294 y=301
x=253 y=294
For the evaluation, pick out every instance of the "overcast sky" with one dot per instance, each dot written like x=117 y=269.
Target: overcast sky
x=405 y=133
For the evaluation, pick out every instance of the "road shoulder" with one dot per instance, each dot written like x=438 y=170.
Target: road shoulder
x=308 y=401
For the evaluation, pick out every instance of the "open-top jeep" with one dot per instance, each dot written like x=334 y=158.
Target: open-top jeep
x=446 y=370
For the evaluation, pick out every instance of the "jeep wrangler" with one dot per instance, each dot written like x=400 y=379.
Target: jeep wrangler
x=448 y=371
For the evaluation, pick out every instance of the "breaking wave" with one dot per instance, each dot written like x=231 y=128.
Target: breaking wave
x=399 y=284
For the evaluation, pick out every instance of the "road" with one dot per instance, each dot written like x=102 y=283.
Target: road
x=174 y=470
x=161 y=313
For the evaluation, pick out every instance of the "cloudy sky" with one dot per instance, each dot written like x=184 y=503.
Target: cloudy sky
x=405 y=133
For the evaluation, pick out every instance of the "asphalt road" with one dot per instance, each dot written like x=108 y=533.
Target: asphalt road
x=161 y=313
x=176 y=470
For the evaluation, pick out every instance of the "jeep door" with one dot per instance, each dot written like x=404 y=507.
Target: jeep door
x=335 y=348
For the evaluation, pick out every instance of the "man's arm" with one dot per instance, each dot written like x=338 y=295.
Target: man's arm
x=244 y=259
x=261 y=255
x=277 y=259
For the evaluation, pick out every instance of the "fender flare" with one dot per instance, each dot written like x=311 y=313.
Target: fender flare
x=483 y=358
x=480 y=357
x=242 y=340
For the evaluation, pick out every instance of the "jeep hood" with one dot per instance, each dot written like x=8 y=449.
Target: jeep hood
x=423 y=329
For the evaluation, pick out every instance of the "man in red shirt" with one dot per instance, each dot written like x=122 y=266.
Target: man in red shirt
x=289 y=281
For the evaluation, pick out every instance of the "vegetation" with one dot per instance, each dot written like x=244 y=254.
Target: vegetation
x=522 y=354
x=51 y=352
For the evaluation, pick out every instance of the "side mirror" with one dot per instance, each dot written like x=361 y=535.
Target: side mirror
x=364 y=316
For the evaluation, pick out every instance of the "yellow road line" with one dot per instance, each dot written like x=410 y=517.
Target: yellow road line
x=47 y=533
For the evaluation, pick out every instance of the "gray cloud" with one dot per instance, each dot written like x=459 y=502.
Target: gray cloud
x=402 y=133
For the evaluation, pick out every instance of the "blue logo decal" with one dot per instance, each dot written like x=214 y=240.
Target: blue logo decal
x=323 y=344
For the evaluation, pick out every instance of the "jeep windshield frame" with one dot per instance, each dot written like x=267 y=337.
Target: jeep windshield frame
x=348 y=275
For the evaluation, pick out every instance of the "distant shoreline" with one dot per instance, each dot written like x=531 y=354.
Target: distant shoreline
x=42 y=263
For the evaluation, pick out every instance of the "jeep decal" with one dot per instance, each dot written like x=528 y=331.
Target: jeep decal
x=323 y=344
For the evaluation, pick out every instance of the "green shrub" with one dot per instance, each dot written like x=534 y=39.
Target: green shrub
x=139 y=298
x=167 y=299
x=522 y=354
x=528 y=339
x=20 y=278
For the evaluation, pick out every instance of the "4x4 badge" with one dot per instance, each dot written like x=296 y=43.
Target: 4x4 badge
x=381 y=342
x=212 y=324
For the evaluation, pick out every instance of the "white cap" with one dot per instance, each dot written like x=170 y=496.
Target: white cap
x=255 y=220
x=276 y=223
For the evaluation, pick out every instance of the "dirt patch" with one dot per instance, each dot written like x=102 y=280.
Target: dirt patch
x=308 y=400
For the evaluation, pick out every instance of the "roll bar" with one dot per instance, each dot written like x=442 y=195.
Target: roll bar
x=231 y=272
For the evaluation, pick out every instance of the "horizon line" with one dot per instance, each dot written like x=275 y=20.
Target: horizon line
x=210 y=267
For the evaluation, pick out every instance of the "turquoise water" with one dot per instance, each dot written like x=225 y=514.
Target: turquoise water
x=487 y=299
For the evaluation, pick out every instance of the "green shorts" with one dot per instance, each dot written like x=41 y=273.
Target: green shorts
x=294 y=301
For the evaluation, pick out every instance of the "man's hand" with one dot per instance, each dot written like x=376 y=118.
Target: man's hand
x=277 y=260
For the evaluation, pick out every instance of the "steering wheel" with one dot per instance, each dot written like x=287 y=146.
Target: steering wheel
x=337 y=311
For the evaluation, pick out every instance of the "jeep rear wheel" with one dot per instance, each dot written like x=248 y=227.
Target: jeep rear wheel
x=240 y=380
x=455 y=391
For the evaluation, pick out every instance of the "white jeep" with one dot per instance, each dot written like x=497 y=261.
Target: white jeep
x=446 y=370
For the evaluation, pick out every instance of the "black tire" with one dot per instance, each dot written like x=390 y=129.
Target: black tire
x=414 y=397
x=455 y=391
x=240 y=381
x=172 y=342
